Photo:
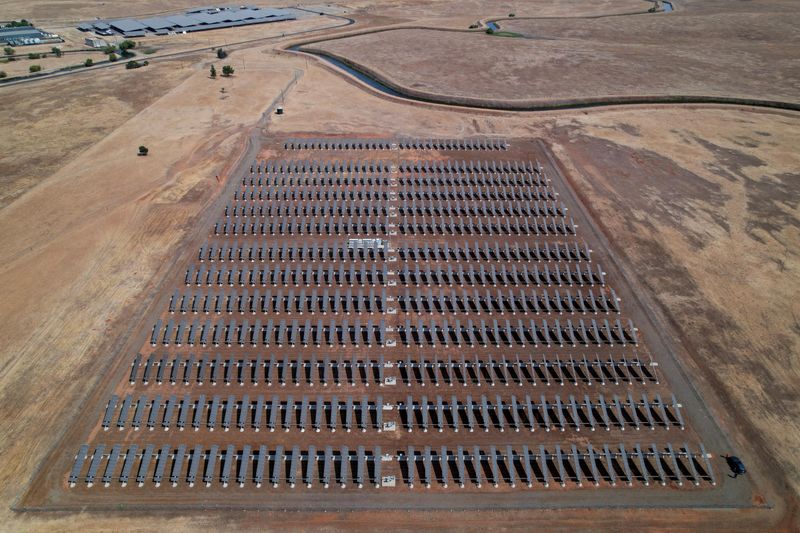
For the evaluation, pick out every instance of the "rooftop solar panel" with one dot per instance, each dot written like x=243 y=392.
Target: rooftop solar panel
x=156 y=23
x=126 y=25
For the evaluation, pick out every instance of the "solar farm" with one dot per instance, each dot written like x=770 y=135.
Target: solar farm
x=530 y=265
x=397 y=318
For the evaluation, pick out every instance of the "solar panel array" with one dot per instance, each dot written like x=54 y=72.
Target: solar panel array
x=367 y=324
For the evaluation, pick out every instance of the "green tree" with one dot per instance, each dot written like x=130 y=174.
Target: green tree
x=34 y=56
x=143 y=150
x=112 y=57
x=57 y=51
x=35 y=68
x=221 y=54
x=127 y=44
x=3 y=74
x=227 y=70
x=213 y=71
x=132 y=65
x=109 y=49
x=88 y=62
x=8 y=50
x=18 y=23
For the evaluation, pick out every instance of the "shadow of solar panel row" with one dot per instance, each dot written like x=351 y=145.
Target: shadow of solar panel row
x=302 y=412
x=350 y=370
x=389 y=144
x=474 y=466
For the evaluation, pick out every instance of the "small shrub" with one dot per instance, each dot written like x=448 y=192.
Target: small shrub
x=512 y=15
x=88 y=62
x=8 y=51
x=143 y=150
x=56 y=51
x=221 y=54
x=490 y=31
x=132 y=65
x=3 y=74
x=112 y=57
x=34 y=56
x=227 y=71
x=213 y=71
x=35 y=68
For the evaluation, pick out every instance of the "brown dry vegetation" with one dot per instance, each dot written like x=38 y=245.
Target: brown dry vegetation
x=749 y=51
x=55 y=120
x=710 y=222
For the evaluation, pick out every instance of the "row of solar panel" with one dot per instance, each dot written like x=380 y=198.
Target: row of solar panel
x=401 y=193
x=362 y=208
x=388 y=144
x=481 y=277
x=349 y=301
x=323 y=413
x=270 y=334
x=662 y=463
x=503 y=277
x=326 y=369
x=457 y=180
x=505 y=332
x=263 y=277
x=406 y=226
x=535 y=251
x=179 y=466
x=217 y=411
x=346 y=302
x=551 y=413
x=500 y=332
x=295 y=166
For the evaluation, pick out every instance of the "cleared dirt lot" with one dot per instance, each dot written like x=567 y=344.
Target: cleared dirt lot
x=651 y=54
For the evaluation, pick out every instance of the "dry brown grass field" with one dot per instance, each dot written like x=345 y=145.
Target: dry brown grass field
x=703 y=50
x=700 y=203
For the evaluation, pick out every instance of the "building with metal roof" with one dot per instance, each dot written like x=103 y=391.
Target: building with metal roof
x=208 y=18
